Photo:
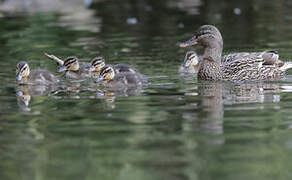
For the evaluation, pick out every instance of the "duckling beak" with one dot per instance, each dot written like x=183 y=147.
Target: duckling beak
x=191 y=42
x=100 y=78
x=19 y=77
x=62 y=69
x=187 y=63
x=19 y=93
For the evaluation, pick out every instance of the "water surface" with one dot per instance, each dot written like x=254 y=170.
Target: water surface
x=174 y=128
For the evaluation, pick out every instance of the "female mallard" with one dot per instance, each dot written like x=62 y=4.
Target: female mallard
x=109 y=77
x=191 y=63
x=236 y=66
x=71 y=66
x=39 y=76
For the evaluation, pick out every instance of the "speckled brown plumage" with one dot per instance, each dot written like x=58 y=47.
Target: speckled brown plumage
x=237 y=66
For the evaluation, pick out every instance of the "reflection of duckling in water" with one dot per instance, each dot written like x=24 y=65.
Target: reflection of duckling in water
x=24 y=93
x=23 y=99
x=71 y=66
x=191 y=63
x=110 y=78
x=39 y=76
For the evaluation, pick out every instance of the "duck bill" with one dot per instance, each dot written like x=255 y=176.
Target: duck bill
x=187 y=63
x=62 y=69
x=19 y=77
x=191 y=42
x=99 y=79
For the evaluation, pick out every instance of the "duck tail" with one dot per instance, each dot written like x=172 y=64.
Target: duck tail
x=56 y=59
x=286 y=65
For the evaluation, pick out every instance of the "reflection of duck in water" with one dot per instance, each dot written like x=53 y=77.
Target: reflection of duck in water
x=24 y=93
x=236 y=66
x=23 y=100
x=39 y=76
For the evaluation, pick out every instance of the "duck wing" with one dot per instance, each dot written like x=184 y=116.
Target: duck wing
x=269 y=57
x=243 y=67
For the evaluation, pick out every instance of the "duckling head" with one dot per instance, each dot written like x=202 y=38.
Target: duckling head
x=191 y=59
x=96 y=64
x=107 y=74
x=206 y=35
x=22 y=70
x=70 y=64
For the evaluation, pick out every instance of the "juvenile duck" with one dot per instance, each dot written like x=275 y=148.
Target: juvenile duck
x=71 y=66
x=236 y=66
x=98 y=63
x=191 y=63
x=39 y=76
x=110 y=78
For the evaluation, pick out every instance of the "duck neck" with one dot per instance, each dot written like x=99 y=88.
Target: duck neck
x=213 y=53
x=210 y=68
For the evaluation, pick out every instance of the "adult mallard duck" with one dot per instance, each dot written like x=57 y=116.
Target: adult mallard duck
x=237 y=66
x=109 y=77
x=38 y=76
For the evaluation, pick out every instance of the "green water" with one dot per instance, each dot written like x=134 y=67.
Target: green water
x=176 y=127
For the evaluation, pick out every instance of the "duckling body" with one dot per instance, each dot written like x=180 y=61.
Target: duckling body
x=98 y=63
x=237 y=66
x=38 y=76
x=110 y=78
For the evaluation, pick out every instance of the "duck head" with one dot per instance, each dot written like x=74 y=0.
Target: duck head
x=22 y=70
x=96 y=64
x=70 y=64
x=107 y=74
x=210 y=38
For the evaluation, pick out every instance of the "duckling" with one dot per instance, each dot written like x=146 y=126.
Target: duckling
x=109 y=77
x=71 y=66
x=191 y=63
x=237 y=66
x=39 y=76
x=98 y=63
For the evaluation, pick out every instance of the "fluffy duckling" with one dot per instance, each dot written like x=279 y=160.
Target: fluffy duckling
x=191 y=63
x=98 y=63
x=71 y=66
x=39 y=76
x=109 y=77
